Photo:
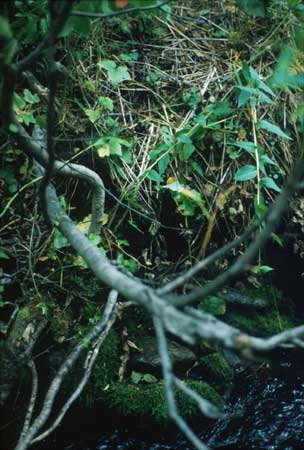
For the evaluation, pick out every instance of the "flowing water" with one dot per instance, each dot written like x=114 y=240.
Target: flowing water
x=270 y=416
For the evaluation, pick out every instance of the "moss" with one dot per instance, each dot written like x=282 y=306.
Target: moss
x=105 y=371
x=278 y=315
x=216 y=367
x=149 y=400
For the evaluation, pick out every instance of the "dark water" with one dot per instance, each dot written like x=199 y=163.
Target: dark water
x=271 y=417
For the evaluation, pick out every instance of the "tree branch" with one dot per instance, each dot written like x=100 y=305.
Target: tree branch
x=276 y=211
x=65 y=367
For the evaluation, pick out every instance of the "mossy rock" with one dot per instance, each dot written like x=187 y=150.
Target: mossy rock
x=278 y=316
x=105 y=371
x=216 y=367
x=149 y=400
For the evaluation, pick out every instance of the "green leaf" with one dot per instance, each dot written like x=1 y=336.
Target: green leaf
x=30 y=98
x=148 y=378
x=133 y=56
x=243 y=97
x=154 y=176
x=261 y=269
x=60 y=241
x=13 y=128
x=115 y=146
x=92 y=114
x=245 y=173
x=201 y=119
x=136 y=377
x=264 y=159
x=270 y=183
x=106 y=103
x=272 y=128
x=187 y=151
x=116 y=74
x=246 y=145
x=163 y=163
x=184 y=139
x=3 y=255
x=253 y=7
x=220 y=109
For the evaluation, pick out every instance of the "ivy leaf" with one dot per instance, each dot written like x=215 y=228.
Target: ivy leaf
x=272 y=128
x=245 y=173
x=116 y=74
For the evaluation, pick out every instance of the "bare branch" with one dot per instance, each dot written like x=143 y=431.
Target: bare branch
x=242 y=263
x=36 y=147
x=89 y=363
x=220 y=253
x=32 y=402
x=168 y=385
x=65 y=367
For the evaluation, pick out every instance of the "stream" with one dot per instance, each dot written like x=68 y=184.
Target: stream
x=271 y=417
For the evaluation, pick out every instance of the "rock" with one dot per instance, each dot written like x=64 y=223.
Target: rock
x=181 y=356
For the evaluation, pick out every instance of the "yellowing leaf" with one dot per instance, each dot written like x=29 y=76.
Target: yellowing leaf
x=85 y=224
x=103 y=151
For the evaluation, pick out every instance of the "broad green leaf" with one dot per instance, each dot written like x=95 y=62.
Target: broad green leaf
x=187 y=151
x=184 y=139
x=136 y=377
x=270 y=183
x=264 y=159
x=158 y=150
x=272 y=128
x=133 y=56
x=106 y=103
x=92 y=114
x=18 y=101
x=148 y=378
x=30 y=98
x=154 y=176
x=246 y=173
x=220 y=109
x=60 y=241
x=246 y=145
x=243 y=97
x=115 y=146
x=116 y=74
x=201 y=119
x=163 y=163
